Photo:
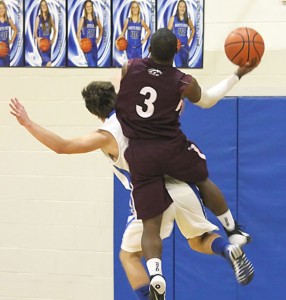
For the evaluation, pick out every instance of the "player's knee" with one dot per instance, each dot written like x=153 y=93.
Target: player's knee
x=126 y=257
x=196 y=243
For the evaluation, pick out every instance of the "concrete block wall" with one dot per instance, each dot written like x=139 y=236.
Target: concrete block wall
x=56 y=211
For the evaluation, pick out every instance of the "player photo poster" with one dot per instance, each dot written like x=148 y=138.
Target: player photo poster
x=89 y=32
x=45 y=33
x=11 y=33
x=133 y=23
x=186 y=19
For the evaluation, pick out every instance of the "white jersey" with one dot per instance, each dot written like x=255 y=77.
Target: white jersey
x=187 y=209
x=120 y=166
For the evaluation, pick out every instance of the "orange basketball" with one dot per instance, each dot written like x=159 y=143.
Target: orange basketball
x=45 y=45
x=85 y=45
x=244 y=45
x=179 y=44
x=121 y=44
x=4 y=49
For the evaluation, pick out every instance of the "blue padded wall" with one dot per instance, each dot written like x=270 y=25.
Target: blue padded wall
x=245 y=143
x=262 y=192
x=215 y=132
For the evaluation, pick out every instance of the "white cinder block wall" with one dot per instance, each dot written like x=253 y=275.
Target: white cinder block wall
x=56 y=211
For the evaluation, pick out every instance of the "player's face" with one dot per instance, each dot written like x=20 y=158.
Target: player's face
x=2 y=10
x=134 y=9
x=44 y=7
x=88 y=8
x=182 y=8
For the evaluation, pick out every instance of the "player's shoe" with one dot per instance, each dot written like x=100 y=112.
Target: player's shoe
x=157 y=285
x=242 y=267
x=237 y=236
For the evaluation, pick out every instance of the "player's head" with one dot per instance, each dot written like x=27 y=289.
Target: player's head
x=44 y=7
x=3 y=10
x=163 y=46
x=134 y=8
x=99 y=98
x=88 y=8
x=182 y=10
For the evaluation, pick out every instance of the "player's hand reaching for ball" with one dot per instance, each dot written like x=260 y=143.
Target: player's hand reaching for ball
x=246 y=68
x=18 y=110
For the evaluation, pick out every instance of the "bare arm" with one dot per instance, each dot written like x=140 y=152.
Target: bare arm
x=90 y=142
x=54 y=31
x=14 y=28
x=36 y=30
x=191 y=25
x=171 y=23
x=78 y=33
x=148 y=31
x=100 y=31
x=123 y=30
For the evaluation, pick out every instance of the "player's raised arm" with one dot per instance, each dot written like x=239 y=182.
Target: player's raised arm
x=206 y=98
x=87 y=143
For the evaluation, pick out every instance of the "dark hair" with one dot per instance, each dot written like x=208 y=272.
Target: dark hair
x=99 y=98
x=163 y=44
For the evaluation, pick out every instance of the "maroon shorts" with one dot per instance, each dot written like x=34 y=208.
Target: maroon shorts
x=150 y=160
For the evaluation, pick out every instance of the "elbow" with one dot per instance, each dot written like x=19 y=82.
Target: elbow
x=60 y=150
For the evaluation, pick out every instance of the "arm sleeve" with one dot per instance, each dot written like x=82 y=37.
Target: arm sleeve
x=211 y=96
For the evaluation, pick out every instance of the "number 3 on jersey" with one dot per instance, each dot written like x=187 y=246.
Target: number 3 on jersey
x=151 y=97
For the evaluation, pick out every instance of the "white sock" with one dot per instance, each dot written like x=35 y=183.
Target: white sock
x=154 y=266
x=227 y=220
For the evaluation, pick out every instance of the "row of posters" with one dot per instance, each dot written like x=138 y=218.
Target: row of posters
x=96 y=33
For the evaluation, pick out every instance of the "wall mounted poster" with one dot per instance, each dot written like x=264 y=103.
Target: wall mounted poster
x=186 y=19
x=11 y=33
x=45 y=33
x=135 y=21
x=89 y=32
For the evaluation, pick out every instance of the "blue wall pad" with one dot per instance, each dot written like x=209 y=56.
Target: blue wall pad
x=262 y=192
x=199 y=276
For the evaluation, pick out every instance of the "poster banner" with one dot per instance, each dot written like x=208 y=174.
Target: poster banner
x=11 y=33
x=135 y=21
x=45 y=33
x=186 y=19
x=89 y=32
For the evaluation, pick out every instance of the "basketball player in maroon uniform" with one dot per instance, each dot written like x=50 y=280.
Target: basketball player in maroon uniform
x=147 y=107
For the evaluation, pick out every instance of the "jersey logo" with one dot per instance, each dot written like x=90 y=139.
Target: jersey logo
x=154 y=72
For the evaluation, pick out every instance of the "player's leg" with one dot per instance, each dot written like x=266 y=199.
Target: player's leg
x=131 y=251
x=214 y=200
x=136 y=273
x=210 y=243
x=152 y=248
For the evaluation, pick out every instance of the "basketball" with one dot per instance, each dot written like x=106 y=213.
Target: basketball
x=4 y=49
x=121 y=44
x=179 y=44
x=244 y=45
x=45 y=45
x=85 y=45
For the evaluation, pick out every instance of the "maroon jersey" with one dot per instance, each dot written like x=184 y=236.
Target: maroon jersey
x=147 y=100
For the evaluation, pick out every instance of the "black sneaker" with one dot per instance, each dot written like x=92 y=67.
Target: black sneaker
x=237 y=236
x=242 y=267
x=154 y=287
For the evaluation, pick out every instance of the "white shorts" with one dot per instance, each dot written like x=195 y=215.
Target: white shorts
x=187 y=210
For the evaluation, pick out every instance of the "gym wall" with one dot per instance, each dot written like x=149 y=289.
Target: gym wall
x=56 y=211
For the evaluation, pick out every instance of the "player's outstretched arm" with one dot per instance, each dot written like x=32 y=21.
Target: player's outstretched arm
x=87 y=143
x=208 y=98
